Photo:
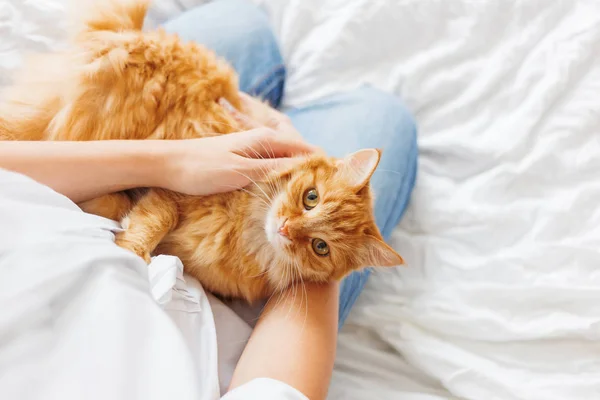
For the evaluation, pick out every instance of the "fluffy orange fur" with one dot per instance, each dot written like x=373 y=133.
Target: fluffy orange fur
x=117 y=82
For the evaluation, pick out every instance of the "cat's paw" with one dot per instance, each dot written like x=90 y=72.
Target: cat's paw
x=146 y=256
x=121 y=241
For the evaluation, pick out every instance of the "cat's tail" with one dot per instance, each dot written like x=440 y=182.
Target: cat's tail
x=108 y=15
x=33 y=98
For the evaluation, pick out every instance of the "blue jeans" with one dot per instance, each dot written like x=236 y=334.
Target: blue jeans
x=342 y=123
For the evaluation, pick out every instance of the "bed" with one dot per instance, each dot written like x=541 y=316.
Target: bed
x=501 y=296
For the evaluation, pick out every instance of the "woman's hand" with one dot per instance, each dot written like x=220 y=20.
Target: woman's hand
x=257 y=114
x=228 y=162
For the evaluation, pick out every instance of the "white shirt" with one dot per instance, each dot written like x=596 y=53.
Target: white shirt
x=81 y=318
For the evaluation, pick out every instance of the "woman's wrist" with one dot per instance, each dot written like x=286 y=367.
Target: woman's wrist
x=152 y=165
x=320 y=294
x=129 y=163
x=295 y=340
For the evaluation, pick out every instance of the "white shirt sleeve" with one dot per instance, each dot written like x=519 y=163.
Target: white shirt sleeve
x=264 y=389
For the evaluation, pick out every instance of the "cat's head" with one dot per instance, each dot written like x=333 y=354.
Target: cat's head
x=321 y=225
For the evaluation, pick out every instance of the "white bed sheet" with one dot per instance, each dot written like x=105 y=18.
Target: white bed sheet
x=500 y=300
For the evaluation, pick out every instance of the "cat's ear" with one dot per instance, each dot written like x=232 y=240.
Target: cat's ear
x=356 y=168
x=379 y=254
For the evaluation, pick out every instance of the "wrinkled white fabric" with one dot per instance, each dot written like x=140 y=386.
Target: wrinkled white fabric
x=502 y=237
x=499 y=300
x=81 y=318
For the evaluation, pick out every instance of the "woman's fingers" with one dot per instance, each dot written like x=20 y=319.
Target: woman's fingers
x=268 y=116
x=257 y=114
x=267 y=143
x=259 y=169
x=245 y=121
x=277 y=140
x=259 y=111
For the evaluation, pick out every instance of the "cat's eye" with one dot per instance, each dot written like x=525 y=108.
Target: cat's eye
x=320 y=247
x=310 y=199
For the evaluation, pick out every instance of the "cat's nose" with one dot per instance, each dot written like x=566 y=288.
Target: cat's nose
x=283 y=230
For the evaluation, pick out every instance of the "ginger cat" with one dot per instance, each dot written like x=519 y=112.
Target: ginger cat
x=313 y=222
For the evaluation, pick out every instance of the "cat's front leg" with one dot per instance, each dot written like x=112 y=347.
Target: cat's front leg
x=148 y=222
x=112 y=206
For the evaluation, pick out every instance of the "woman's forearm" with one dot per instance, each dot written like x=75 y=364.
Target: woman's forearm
x=85 y=170
x=197 y=167
x=294 y=341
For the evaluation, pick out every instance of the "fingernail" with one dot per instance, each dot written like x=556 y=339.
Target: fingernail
x=227 y=105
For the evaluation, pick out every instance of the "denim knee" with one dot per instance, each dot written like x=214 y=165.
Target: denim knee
x=395 y=176
x=390 y=125
x=240 y=32
x=387 y=108
x=253 y=50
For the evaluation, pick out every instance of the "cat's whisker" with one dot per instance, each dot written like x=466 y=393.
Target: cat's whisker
x=273 y=186
x=214 y=121
x=278 y=292
x=295 y=284
x=257 y=155
x=293 y=289
x=280 y=297
x=269 y=181
x=258 y=275
x=263 y=169
x=252 y=194
x=255 y=184
x=285 y=280
x=389 y=170
x=275 y=182
x=246 y=176
x=304 y=294
x=292 y=283
x=270 y=298
x=269 y=184
x=272 y=189
x=272 y=153
x=279 y=181
x=267 y=197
